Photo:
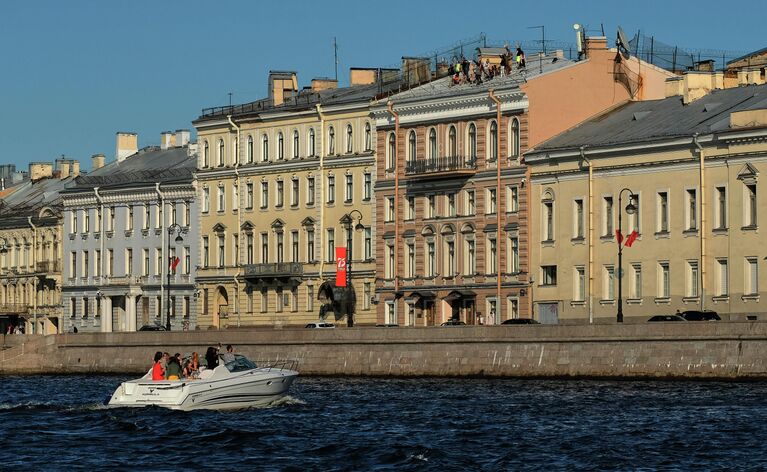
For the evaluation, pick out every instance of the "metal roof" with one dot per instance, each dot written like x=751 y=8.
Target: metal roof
x=660 y=119
x=745 y=56
x=30 y=197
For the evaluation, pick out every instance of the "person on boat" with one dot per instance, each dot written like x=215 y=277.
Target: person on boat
x=211 y=358
x=229 y=356
x=192 y=366
x=173 y=371
x=158 y=373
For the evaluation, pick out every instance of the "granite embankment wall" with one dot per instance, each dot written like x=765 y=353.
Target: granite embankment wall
x=668 y=350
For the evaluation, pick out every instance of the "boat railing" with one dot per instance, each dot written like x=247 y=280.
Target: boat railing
x=278 y=364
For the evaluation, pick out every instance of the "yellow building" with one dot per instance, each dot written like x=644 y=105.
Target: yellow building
x=685 y=173
x=275 y=178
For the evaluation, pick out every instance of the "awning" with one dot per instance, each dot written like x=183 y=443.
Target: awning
x=459 y=294
x=421 y=295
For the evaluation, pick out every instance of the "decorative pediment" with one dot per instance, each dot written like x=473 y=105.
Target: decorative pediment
x=427 y=230
x=277 y=224
x=447 y=229
x=247 y=226
x=467 y=228
x=748 y=174
x=219 y=228
x=308 y=221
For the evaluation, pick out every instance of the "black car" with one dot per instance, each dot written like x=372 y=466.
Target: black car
x=666 y=318
x=453 y=323
x=152 y=328
x=516 y=321
x=697 y=315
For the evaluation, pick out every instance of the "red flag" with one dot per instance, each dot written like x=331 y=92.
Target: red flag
x=632 y=237
x=174 y=263
x=340 y=267
x=619 y=236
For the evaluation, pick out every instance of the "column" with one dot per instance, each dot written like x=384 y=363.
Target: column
x=130 y=313
x=106 y=314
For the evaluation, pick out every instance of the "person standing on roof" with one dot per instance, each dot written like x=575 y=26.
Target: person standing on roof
x=520 y=58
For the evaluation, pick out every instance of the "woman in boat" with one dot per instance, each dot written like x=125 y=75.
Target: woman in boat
x=158 y=373
x=173 y=371
x=192 y=366
x=211 y=357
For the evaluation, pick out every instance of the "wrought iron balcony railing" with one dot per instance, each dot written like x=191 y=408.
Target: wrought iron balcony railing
x=274 y=269
x=441 y=166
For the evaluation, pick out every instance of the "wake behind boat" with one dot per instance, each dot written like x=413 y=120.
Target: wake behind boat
x=232 y=385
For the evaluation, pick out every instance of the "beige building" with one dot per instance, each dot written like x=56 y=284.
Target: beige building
x=275 y=178
x=693 y=166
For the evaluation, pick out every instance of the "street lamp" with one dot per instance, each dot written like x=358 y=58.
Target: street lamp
x=174 y=228
x=347 y=221
x=630 y=209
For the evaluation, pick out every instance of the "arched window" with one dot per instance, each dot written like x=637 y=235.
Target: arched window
x=547 y=212
x=280 y=146
x=411 y=146
x=472 y=143
x=250 y=149
x=331 y=140
x=295 y=144
x=220 y=152
x=432 y=144
x=391 y=151
x=493 y=144
x=514 y=138
x=311 y=142
x=349 y=139
x=368 y=137
x=206 y=155
x=264 y=148
x=451 y=142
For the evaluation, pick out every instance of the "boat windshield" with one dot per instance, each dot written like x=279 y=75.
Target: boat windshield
x=239 y=364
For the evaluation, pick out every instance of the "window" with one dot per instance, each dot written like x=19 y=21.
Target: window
x=514 y=138
x=296 y=144
x=471 y=207
x=491 y=201
x=187 y=261
x=264 y=148
x=692 y=210
x=663 y=212
x=367 y=293
x=450 y=259
x=411 y=156
x=432 y=143
x=97 y=262
x=492 y=259
x=249 y=247
x=391 y=151
x=206 y=155
x=693 y=278
x=205 y=251
x=368 y=243
x=492 y=145
x=264 y=194
x=452 y=145
x=309 y=245
x=349 y=196
x=74 y=227
x=722 y=278
x=608 y=217
x=471 y=257
x=331 y=140
x=549 y=275
x=146 y=263
x=235 y=202
x=548 y=219
x=110 y=262
x=86 y=263
x=450 y=204
x=750 y=206
x=294 y=192
x=221 y=153
x=512 y=198
x=331 y=189
x=331 y=235
x=310 y=190
x=294 y=246
x=205 y=207
x=431 y=267
x=349 y=139
x=472 y=143
x=664 y=281
x=264 y=248
x=111 y=219
x=721 y=208
x=86 y=221
x=310 y=298
x=513 y=255
x=432 y=206
x=280 y=194
x=752 y=277
x=128 y=261
x=410 y=208
x=280 y=247
x=280 y=146
x=97 y=227
x=579 y=291
x=264 y=299
x=235 y=249
x=578 y=218
x=636 y=281
x=310 y=143
x=294 y=299
x=608 y=289
x=221 y=251
x=389 y=209
x=250 y=149
x=635 y=218
x=368 y=137
x=410 y=260
x=220 y=198
x=129 y=219
x=249 y=196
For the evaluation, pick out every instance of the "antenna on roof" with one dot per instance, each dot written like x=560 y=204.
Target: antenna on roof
x=335 y=56
x=579 y=38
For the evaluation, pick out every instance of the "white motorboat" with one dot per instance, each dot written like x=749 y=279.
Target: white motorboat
x=237 y=384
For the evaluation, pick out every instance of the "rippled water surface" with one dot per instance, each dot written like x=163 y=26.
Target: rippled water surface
x=395 y=424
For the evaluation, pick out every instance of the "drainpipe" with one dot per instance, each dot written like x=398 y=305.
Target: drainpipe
x=321 y=188
x=702 y=221
x=498 y=200
x=34 y=264
x=100 y=202
x=591 y=233
x=162 y=242
x=239 y=220
x=390 y=106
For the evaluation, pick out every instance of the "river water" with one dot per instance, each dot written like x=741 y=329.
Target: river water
x=53 y=423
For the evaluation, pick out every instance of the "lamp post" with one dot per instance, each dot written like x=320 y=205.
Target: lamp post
x=174 y=228
x=630 y=209
x=347 y=221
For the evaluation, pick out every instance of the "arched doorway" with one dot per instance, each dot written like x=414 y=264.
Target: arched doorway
x=221 y=309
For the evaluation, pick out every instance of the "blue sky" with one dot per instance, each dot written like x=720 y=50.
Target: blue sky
x=74 y=73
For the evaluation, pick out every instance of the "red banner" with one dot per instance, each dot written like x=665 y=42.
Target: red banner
x=340 y=267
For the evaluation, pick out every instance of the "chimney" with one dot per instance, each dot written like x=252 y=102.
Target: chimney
x=182 y=137
x=167 y=140
x=416 y=70
x=323 y=83
x=362 y=76
x=595 y=43
x=127 y=145
x=75 y=168
x=40 y=170
x=282 y=86
x=674 y=86
x=64 y=168
x=442 y=69
x=97 y=161
x=751 y=76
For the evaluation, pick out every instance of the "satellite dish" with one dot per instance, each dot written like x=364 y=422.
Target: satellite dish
x=622 y=43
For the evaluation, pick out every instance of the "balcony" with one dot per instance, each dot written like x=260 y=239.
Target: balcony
x=14 y=308
x=48 y=267
x=126 y=280
x=447 y=166
x=275 y=270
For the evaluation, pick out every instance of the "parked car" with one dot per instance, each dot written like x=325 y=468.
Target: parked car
x=697 y=315
x=320 y=325
x=453 y=323
x=516 y=321
x=152 y=327
x=666 y=318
